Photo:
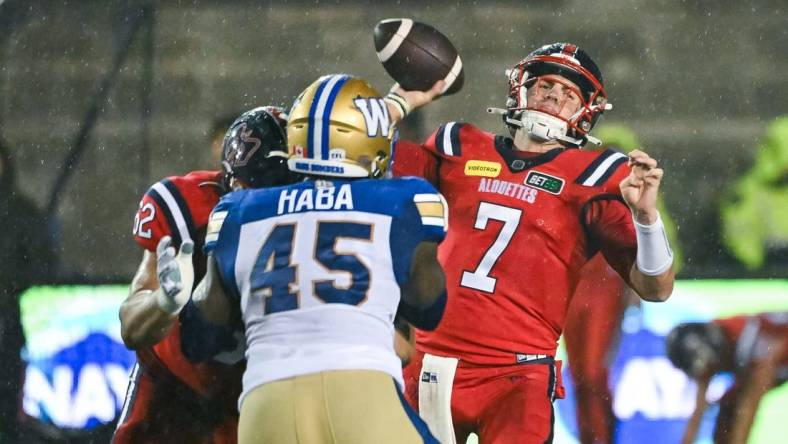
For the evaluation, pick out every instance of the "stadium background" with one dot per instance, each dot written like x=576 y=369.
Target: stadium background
x=698 y=82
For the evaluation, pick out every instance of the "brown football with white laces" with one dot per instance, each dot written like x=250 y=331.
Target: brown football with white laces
x=416 y=55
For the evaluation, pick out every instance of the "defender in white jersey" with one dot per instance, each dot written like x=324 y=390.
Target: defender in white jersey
x=319 y=269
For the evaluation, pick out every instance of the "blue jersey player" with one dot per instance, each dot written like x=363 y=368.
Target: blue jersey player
x=319 y=269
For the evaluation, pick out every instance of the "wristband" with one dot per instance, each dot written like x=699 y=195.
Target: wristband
x=654 y=255
x=399 y=102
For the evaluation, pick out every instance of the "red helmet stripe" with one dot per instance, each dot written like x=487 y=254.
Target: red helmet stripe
x=570 y=49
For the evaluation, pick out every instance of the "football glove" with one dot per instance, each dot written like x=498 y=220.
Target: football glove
x=175 y=273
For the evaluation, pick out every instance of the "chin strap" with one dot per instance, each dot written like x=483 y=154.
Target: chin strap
x=542 y=127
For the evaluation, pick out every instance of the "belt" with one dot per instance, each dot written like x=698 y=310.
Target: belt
x=525 y=358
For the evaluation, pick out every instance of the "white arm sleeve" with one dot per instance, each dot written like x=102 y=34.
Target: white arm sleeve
x=654 y=255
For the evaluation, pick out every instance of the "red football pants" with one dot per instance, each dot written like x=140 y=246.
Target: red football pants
x=504 y=404
x=159 y=412
x=592 y=326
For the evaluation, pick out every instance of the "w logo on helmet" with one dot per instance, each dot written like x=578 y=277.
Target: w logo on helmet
x=376 y=115
x=339 y=127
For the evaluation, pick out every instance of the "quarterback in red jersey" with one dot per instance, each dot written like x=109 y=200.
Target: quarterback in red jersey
x=526 y=213
x=754 y=348
x=170 y=398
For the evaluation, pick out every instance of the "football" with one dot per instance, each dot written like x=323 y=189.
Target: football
x=416 y=55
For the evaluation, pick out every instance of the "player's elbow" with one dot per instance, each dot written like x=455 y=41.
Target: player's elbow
x=659 y=291
x=656 y=288
x=657 y=296
x=137 y=330
x=130 y=340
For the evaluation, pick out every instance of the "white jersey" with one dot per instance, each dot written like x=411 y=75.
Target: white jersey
x=317 y=269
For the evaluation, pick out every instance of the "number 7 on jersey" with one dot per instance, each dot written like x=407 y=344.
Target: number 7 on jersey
x=480 y=278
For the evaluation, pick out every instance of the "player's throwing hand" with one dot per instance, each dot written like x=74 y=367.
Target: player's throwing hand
x=404 y=101
x=175 y=273
x=640 y=188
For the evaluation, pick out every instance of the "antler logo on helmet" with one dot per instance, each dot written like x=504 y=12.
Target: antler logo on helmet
x=241 y=156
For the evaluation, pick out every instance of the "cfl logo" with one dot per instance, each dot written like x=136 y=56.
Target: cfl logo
x=336 y=154
x=376 y=115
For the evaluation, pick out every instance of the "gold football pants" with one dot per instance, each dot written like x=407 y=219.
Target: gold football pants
x=348 y=406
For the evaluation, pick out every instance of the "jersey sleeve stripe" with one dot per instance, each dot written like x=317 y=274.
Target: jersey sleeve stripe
x=172 y=211
x=430 y=209
x=434 y=221
x=172 y=225
x=426 y=197
x=214 y=226
x=610 y=170
x=448 y=138
x=184 y=207
x=601 y=168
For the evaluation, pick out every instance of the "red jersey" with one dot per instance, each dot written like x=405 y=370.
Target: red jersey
x=180 y=206
x=521 y=225
x=750 y=335
x=171 y=398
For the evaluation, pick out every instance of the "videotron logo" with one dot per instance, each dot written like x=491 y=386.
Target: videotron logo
x=482 y=168
x=545 y=182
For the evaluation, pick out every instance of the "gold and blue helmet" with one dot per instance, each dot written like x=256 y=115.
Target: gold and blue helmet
x=339 y=127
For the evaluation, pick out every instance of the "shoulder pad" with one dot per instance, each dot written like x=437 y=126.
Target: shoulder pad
x=175 y=209
x=447 y=139
x=601 y=168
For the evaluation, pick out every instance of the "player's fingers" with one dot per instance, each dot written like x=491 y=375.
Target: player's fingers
x=636 y=152
x=396 y=88
x=170 y=269
x=162 y=246
x=654 y=177
x=656 y=173
x=632 y=181
x=187 y=248
x=438 y=88
x=638 y=171
x=642 y=160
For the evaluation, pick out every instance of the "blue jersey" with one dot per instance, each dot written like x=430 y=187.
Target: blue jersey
x=317 y=269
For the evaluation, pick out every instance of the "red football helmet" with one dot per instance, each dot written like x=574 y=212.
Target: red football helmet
x=572 y=63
